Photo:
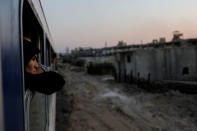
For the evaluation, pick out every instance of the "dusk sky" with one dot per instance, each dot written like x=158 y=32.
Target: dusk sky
x=91 y=23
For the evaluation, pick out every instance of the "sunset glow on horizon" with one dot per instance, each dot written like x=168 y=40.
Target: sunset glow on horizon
x=91 y=23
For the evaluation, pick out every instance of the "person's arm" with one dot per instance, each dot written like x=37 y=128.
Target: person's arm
x=47 y=82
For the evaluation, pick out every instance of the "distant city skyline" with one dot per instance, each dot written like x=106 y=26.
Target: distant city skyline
x=92 y=23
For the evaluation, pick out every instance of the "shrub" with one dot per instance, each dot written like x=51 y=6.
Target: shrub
x=78 y=62
x=66 y=59
x=100 y=68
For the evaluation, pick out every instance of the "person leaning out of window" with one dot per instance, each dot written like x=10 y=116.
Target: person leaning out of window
x=36 y=78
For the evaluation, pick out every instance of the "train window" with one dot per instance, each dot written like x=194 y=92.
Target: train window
x=32 y=30
x=35 y=107
x=48 y=53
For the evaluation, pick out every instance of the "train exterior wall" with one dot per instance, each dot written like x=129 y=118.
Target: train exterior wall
x=11 y=65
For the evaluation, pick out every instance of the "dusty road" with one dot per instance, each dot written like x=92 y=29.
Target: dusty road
x=92 y=103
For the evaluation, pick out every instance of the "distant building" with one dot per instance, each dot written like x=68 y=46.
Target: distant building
x=177 y=35
x=162 y=40
x=155 y=41
x=121 y=43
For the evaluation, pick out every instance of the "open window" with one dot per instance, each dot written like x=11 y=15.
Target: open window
x=35 y=103
x=48 y=53
x=32 y=30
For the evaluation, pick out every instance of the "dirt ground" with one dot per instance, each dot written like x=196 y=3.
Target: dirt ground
x=97 y=103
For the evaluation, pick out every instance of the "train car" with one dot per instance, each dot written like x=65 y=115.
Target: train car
x=20 y=109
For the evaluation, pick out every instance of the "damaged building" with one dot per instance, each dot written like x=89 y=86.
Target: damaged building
x=170 y=62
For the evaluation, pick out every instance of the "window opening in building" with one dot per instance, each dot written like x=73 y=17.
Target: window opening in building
x=128 y=58
x=185 y=71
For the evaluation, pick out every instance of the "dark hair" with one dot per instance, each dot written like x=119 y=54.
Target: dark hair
x=29 y=50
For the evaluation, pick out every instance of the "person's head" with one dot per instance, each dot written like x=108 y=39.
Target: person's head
x=30 y=57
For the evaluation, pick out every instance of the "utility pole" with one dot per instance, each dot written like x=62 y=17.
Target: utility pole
x=105 y=44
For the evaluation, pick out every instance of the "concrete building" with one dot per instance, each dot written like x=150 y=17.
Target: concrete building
x=168 y=62
x=172 y=61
